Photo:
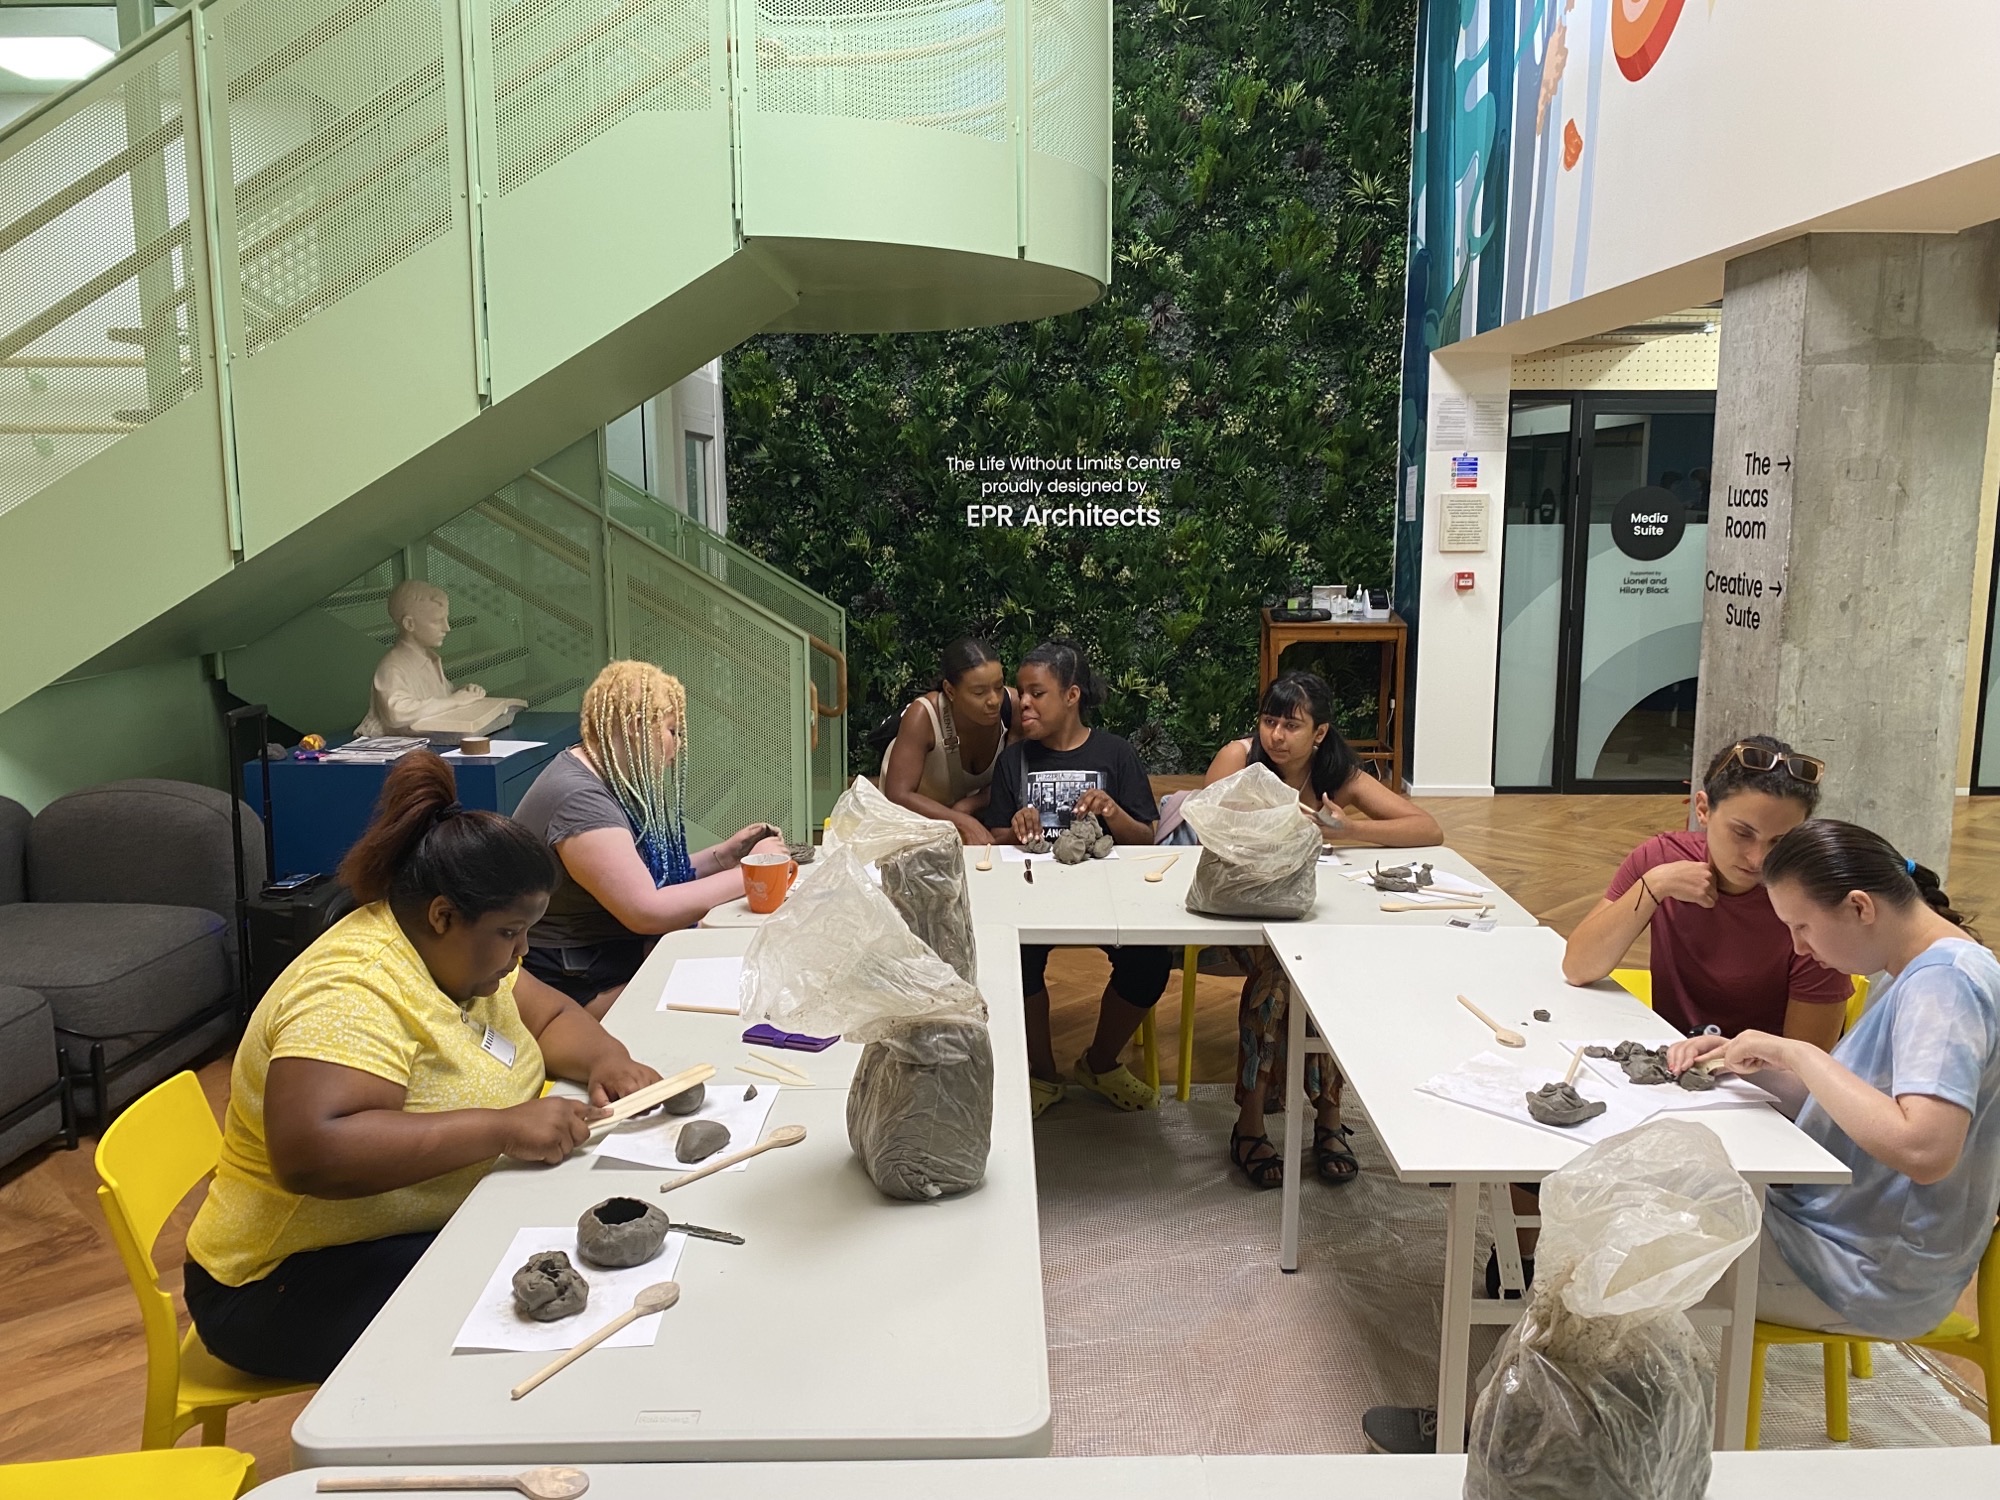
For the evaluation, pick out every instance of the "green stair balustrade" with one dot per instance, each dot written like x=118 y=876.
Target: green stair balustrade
x=546 y=586
x=292 y=283
x=823 y=621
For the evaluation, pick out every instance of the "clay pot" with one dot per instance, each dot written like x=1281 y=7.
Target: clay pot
x=620 y=1232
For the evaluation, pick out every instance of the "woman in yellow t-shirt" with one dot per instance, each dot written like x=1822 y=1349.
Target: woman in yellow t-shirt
x=387 y=1069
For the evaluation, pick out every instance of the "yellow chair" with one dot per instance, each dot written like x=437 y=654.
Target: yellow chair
x=147 y=1160
x=1976 y=1339
x=175 y=1474
x=1149 y=1044
x=1638 y=983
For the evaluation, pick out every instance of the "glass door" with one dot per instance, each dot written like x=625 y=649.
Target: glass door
x=1606 y=539
x=1986 y=735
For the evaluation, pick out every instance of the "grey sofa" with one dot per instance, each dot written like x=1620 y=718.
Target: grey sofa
x=34 y=1095
x=127 y=929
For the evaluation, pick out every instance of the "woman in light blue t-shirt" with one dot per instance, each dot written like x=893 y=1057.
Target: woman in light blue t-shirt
x=1909 y=1100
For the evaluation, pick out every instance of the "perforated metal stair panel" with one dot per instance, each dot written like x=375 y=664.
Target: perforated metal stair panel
x=746 y=685
x=102 y=301
x=1069 y=77
x=524 y=570
x=339 y=148
x=745 y=573
x=566 y=71
x=942 y=65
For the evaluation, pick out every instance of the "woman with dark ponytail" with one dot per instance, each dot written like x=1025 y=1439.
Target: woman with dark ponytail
x=949 y=740
x=1062 y=769
x=1909 y=1100
x=380 y=1078
x=1296 y=738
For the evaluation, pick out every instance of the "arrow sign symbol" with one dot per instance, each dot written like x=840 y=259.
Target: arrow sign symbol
x=1777 y=588
x=1784 y=463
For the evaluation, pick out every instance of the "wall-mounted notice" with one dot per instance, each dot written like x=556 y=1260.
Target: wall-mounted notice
x=1410 y=493
x=1459 y=422
x=1465 y=471
x=1462 y=522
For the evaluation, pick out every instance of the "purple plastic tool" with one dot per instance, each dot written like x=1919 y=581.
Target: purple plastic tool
x=767 y=1035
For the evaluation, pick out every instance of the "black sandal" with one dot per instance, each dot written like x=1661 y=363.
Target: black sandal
x=1263 y=1171
x=1335 y=1163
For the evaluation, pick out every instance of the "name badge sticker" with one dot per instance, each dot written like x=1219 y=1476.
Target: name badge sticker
x=496 y=1046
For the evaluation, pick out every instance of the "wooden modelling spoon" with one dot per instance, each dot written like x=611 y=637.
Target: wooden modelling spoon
x=1501 y=1034
x=658 y=1297
x=1154 y=877
x=551 y=1482
x=784 y=1135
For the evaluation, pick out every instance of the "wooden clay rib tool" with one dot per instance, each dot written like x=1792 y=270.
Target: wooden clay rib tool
x=640 y=1100
x=1501 y=1034
x=551 y=1482
x=784 y=1135
x=658 y=1297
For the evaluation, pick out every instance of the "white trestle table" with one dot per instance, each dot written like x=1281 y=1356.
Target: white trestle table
x=1946 y=1473
x=1386 y=1007
x=849 y=1326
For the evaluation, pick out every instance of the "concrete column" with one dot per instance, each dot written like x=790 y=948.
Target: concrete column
x=1850 y=434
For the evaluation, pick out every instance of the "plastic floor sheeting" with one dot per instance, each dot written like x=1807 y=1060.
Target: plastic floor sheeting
x=1171 y=1329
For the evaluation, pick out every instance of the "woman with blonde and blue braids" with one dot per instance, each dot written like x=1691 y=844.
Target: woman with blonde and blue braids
x=612 y=809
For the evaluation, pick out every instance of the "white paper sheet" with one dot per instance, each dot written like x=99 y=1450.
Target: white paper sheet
x=649 y=1140
x=493 y=1325
x=1729 y=1093
x=1018 y=856
x=707 y=983
x=500 y=748
x=1500 y=1086
x=1444 y=886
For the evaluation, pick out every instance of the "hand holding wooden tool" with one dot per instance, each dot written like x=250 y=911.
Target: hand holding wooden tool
x=551 y=1482
x=658 y=1297
x=1501 y=1034
x=784 y=1135
x=640 y=1100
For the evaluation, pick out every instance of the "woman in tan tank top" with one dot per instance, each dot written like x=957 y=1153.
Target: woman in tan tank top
x=941 y=761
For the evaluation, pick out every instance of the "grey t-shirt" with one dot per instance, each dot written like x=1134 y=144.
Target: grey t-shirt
x=568 y=799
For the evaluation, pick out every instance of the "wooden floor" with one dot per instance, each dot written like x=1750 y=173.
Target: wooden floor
x=72 y=1364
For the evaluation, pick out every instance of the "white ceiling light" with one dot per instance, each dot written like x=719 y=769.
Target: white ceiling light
x=52 y=59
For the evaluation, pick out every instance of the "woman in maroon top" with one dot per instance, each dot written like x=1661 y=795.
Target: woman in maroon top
x=1721 y=958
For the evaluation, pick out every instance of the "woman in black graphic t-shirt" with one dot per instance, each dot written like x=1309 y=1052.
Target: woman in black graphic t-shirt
x=1061 y=769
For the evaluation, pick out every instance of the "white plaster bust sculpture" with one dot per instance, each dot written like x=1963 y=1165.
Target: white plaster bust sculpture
x=410 y=693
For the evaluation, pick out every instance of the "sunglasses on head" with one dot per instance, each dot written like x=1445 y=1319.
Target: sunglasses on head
x=1806 y=768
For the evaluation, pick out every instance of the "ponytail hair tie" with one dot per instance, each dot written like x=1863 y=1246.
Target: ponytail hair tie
x=449 y=810
x=1909 y=866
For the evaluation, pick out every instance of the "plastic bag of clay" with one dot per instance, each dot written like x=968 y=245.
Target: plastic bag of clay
x=1603 y=1390
x=922 y=867
x=920 y=1108
x=1259 y=854
x=837 y=959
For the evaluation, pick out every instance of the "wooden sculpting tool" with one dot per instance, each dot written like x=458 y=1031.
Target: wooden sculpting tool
x=551 y=1482
x=785 y=1067
x=1395 y=903
x=640 y=1100
x=766 y=1075
x=658 y=1297
x=985 y=857
x=1028 y=871
x=705 y=1010
x=1154 y=877
x=1501 y=1034
x=784 y=1135
x=1575 y=1062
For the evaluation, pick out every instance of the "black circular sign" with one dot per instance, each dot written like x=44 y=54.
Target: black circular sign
x=1647 y=523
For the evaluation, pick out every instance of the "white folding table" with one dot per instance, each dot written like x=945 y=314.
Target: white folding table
x=1942 y=1472
x=849 y=1326
x=1385 y=1005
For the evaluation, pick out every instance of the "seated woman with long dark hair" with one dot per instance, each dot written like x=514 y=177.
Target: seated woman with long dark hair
x=949 y=740
x=381 y=1077
x=1297 y=739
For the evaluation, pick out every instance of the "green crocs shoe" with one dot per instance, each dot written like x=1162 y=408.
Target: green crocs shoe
x=1120 y=1086
x=1042 y=1094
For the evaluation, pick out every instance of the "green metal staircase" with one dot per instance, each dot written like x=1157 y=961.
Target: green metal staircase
x=550 y=581
x=293 y=284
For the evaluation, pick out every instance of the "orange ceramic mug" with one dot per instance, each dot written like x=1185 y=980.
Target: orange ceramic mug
x=766 y=879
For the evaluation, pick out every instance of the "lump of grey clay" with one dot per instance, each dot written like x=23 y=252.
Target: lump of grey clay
x=687 y=1101
x=1400 y=877
x=750 y=1093
x=1647 y=1069
x=802 y=853
x=1597 y=1052
x=1039 y=844
x=1561 y=1104
x=1084 y=839
x=1541 y=1015
x=1696 y=1079
x=548 y=1287
x=620 y=1232
x=700 y=1139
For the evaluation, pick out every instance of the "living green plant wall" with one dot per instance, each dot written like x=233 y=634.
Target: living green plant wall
x=1252 y=332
